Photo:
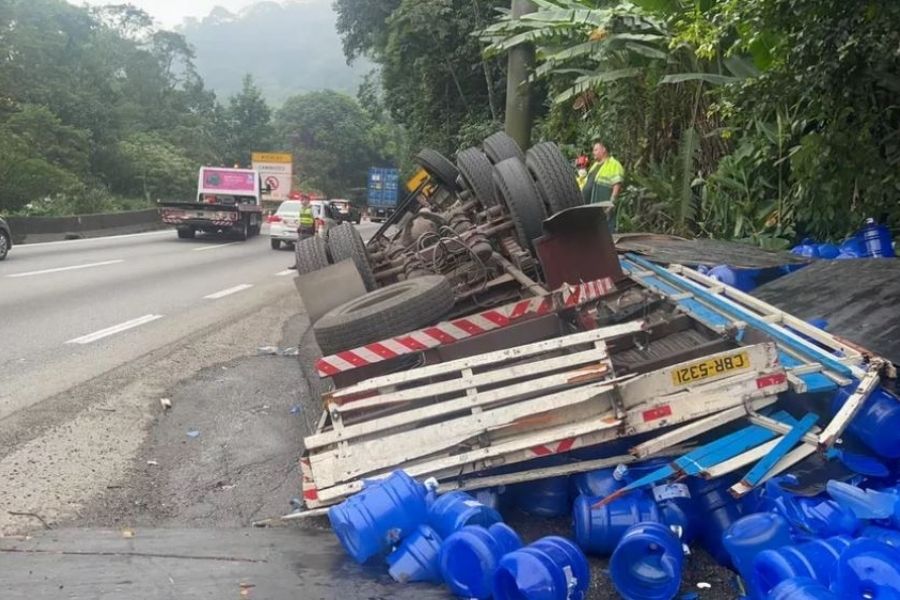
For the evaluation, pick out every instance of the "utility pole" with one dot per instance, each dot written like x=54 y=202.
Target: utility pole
x=518 y=89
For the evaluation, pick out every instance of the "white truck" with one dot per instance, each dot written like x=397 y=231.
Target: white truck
x=228 y=201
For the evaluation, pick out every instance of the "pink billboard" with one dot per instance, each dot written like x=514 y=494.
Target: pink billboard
x=224 y=180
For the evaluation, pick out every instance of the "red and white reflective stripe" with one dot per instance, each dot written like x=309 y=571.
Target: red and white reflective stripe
x=563 y=446
x=448 y=332
x=310 y=491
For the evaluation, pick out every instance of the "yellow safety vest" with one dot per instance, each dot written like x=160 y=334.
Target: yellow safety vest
x=307 y=219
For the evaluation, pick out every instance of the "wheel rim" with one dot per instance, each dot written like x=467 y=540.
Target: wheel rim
x=4 y=244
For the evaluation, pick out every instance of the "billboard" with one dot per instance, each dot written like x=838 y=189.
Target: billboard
x=276 y=170
x=235 y=182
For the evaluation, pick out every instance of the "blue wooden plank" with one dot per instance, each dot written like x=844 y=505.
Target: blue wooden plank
x=778 y=333
x=815 y=382
x=752 y=478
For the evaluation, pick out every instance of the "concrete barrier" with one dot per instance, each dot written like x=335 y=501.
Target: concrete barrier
x=46 y=229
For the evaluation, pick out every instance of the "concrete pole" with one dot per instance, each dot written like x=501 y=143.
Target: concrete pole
x=518 y=90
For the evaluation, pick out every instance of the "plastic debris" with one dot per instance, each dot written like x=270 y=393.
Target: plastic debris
x=192 y=433
x=166 y=403
x=800 y=588
x=152 y=463
x=868 y=569
x=598 y=529
x=702 y=585
x=276 y=351
x=750 y=535
x=296 y=409
x=815 y=559
x=865 y=504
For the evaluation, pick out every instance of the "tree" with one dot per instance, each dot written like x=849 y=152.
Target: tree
x=331 y=138
x=247 y=124
x=436 y=83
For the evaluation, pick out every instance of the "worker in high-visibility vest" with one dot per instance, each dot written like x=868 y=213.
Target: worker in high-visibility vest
x=604 y=182
x=306 y=222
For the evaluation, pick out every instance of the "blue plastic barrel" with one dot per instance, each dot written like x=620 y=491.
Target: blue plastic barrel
x=816 y=559
x=868 y=569
x=599 y=483
x=891 y=537
x=677 y=508
x=599 y=529
x=544 y=498
x=717 y=510
x=742 y=279
x=382 y=513
x=470 y=557
x=880 y=413
x=646 y=564
x=454 y=510
x=853 y=247
x=829 y=251
x=417 y=557
x=552 y=568
x=807 y=248
x=750 y=535
x=877 y=239
x=800 y=588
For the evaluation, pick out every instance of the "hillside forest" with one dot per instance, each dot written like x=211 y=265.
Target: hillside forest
x=759 y=120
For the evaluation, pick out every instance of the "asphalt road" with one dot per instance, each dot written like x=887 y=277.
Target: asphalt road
x=70 y=311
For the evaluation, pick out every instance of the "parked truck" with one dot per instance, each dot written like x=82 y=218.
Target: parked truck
x=228 y=201
x=382 y=193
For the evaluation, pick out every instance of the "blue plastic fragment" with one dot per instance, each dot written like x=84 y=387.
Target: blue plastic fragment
x=800 y=588
x=865 y=504
x=815 y=559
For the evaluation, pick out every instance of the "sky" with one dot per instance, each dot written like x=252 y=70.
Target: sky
x=171 y=12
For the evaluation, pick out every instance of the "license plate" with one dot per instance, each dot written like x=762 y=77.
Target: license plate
x=711 y=367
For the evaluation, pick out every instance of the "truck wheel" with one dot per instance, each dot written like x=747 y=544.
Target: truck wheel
x=186 y=233
x=438 y=167
x=310 y=254
x=243 y=230
x=389 y=311
x=475 y=169
x=276 y=244
x=500 y=146
x=554 y=176
x=516 y=188
x=345 y=242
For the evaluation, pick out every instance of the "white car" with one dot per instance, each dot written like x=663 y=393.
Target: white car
x=283 y=224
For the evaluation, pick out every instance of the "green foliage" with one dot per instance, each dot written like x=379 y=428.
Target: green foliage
x=246 y=126
x=332 y=139
x=759 y=120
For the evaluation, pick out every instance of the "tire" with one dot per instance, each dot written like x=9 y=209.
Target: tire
x=310 y=254
x=384 y=313
x=276 y=244
x=345 y=242
x=517 y=190
x=243 y=230
x=186 y=233
x=438 y=167
x=500 y=147
x=554 y=177
x=475 y=171
x=4 y=245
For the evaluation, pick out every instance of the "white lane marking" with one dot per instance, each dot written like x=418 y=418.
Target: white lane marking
x=285 y=273
x=69 y=268
x=98 y=335
x=201 y=249
x=229 y=291
x=25 y=246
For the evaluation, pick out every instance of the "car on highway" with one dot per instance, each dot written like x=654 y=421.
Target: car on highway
x=346 y=212
x=283 y=224
x=5 y=239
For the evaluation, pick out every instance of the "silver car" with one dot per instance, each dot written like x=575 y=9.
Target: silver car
x=283 y=224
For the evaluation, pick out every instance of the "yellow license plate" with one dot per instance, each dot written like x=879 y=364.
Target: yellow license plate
x=711 y=367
